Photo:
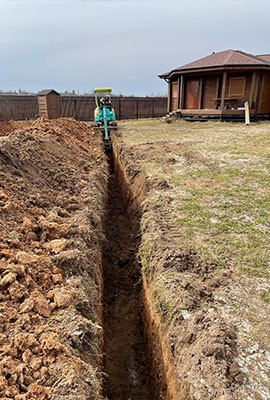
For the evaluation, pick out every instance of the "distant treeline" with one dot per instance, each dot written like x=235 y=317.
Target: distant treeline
x=72 y=93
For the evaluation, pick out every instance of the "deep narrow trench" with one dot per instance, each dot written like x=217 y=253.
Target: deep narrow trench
x=127 y=377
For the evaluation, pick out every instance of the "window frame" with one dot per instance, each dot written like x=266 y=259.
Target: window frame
x=243 y=78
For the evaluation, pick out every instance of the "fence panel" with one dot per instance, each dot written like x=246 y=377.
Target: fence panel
x=18 y=107
x=25 y=107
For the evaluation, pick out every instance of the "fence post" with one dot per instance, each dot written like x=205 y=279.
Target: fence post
x=120 y=109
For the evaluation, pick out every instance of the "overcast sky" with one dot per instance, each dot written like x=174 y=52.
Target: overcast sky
x=124 y=44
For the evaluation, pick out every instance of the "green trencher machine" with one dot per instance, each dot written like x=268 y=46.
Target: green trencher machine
x=104 y=115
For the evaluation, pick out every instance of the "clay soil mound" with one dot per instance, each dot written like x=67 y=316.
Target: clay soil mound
x=7 y=127
x=52 y=194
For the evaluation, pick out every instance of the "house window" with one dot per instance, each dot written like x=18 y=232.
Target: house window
x=237 y=87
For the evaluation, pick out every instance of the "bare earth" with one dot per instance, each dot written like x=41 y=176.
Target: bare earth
x=52 y=196
x=167 y=298
x=205 y=251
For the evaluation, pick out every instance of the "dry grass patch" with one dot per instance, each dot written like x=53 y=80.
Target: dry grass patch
x=219 y=181
x=205 y=250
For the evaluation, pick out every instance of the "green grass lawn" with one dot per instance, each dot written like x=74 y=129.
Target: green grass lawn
x=218 y=193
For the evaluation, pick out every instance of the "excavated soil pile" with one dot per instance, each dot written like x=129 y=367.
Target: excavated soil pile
x=7 y=127
x=52 y=195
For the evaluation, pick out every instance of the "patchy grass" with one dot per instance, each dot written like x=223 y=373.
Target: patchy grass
x=218 y=190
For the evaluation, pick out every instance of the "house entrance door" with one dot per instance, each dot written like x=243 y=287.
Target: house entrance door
x=192 y=94
x=174 y=96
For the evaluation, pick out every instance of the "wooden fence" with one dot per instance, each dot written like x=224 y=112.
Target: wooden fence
x=25 y=107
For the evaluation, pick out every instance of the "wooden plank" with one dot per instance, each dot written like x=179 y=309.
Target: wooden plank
x=214 y=112
x=223 y=90
x=200 y=112
x=247 y=116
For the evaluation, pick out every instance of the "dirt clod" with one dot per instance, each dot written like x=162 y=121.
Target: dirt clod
x=40 y=172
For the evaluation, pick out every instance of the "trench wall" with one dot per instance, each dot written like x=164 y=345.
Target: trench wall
x=162 y=376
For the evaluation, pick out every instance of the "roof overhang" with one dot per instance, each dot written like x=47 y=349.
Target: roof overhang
x=221 y=68
x=45 y=92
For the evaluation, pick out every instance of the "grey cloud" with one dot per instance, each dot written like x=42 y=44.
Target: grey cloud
x=125 y=44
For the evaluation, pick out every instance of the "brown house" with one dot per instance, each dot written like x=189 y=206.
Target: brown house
x=217 y=86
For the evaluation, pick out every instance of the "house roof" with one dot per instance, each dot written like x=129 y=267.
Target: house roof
x=265 y=57
x=223 y=59
x=47 y=91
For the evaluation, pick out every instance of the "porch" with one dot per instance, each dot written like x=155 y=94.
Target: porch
x=208 y=114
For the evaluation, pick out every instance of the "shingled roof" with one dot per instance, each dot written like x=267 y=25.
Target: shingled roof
x=265 y=57
x=45 y=92
x=223 y=59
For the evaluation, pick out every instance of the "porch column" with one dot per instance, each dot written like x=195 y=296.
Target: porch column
x=257 y=91
x=224 y=81
x=169 y=96
x=181 y=93
x=258 y=98
x=178 y=90
x=252 y=89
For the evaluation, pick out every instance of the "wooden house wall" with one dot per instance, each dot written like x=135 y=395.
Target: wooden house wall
x=245 y=97
x=209 y=92
x=264 y=106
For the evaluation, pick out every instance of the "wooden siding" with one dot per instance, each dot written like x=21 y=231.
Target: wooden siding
x=239 y=100
x=42 y=105
x=237 y=86
x=209 y=92
x=192 y=93
x=49 y=105
x=175 y=92
x=209 y=112
x=265 y=95
x=19 y=107
x=54 y=107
